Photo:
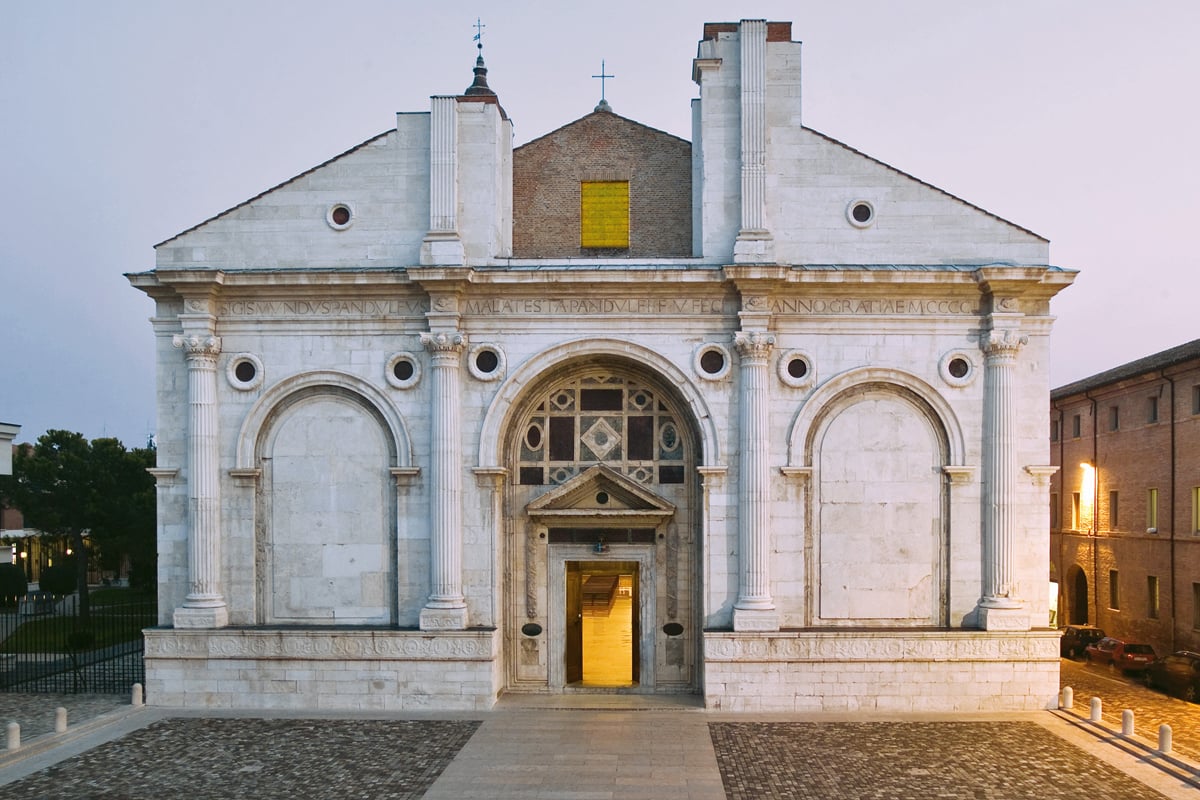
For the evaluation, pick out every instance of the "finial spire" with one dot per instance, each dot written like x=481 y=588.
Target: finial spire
x=603 y=105
x=479 y=85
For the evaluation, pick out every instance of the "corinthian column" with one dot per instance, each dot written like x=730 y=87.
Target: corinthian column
x=754 y=609
x=204 y=607
x=1000 y=608
x=446 y=608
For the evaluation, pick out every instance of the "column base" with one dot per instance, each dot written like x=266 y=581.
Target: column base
x=442 y=249
x=753 y=619
x=1004 y=619
x=443 y=619
x=754 y=247
x=215 y=616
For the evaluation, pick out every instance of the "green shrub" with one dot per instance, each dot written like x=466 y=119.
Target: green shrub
x=59 y=579
x=12 y=585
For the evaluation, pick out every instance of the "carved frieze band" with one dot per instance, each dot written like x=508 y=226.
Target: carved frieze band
x=324 y=645
x=966 y=646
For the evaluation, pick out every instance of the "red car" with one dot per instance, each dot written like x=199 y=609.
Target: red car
x=1125 y=656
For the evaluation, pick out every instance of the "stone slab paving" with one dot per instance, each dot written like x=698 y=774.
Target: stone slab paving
x=586 y=755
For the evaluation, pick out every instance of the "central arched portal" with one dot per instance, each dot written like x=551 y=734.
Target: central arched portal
x=602 y=539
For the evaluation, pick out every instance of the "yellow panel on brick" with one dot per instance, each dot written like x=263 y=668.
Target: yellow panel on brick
x=604 y=213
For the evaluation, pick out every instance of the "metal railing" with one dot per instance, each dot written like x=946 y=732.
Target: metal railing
x=46 y=646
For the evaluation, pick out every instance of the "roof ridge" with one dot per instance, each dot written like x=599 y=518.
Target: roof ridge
x=280 y=185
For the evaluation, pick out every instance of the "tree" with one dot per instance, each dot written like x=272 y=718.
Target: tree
x=66 y=486
x=52 y=485
x=124 y=505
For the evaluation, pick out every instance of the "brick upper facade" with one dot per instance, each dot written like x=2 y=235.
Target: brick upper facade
x=602 y=147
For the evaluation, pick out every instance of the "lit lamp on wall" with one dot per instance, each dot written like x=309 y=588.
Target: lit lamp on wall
x=1087 y=498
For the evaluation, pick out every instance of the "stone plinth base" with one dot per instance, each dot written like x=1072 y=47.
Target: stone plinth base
x=755 y=620
x=1004 y=619
x=443 y=619
x=325 y=669
x=886 y=671
x=201 y=618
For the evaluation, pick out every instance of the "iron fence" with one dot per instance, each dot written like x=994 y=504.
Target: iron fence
x=47 y=646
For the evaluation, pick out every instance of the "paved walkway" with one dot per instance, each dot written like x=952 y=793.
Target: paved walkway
x=574 y=748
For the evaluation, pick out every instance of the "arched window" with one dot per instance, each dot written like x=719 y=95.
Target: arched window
x=602 y=418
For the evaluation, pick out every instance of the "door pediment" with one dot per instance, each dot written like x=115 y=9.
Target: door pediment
x=600 y=496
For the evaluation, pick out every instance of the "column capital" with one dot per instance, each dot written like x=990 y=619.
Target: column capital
x=754 y=344
x=196 y=346
x=1003 y=342
x=444 y=342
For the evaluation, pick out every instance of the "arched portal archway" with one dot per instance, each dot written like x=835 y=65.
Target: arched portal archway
x=602 y=496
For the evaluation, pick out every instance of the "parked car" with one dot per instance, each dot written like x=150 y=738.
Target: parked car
x=1125 y=656
x=1177 y=674
x=1076 y=638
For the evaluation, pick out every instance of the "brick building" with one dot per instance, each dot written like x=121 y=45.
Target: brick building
x=1125 y=504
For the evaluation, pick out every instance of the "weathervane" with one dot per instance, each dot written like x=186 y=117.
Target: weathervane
x=479 y=26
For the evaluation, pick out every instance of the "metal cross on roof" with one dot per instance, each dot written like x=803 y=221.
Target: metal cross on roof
x=602 y=76
x=479 y=26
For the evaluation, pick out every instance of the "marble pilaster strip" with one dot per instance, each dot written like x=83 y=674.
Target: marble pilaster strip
x=443 y=164
x=753 y=39
x=446 y=471
x=754 y=480
x=1000 y=470
x=204 y=494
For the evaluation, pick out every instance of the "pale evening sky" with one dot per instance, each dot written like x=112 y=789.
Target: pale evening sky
x=125 y=122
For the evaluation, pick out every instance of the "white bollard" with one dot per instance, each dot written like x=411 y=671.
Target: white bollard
x=1096 y=716
x=1068 y=699
x=1164 y=739
x=137 y=695
x=1127 y=723
x=60 y=720
x=14 y=736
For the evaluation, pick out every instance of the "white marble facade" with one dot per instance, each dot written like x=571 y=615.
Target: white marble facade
x=838 y=503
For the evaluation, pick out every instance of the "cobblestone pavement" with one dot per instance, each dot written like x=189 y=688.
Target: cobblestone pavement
x=1118 y=692
x=918 y=760
x=35 y=712
x=267 y=759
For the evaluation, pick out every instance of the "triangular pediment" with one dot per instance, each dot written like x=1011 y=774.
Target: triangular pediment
x=600 y=494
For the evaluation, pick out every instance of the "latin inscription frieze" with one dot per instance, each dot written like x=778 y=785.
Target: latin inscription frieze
x=323 y=308
x=571 y=306
x=885 y=307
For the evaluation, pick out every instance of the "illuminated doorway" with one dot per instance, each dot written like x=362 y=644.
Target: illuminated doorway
x=603 y=629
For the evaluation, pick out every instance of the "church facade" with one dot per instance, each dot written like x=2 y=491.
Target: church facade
x=434 y=409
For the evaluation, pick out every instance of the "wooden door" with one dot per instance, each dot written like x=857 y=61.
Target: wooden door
x=574 y=627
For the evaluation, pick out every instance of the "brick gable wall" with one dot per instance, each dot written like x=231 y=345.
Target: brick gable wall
x=603 y=147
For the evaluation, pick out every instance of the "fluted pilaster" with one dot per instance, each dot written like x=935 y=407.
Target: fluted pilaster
x=204 y=606
x=442 y=245
x=754 y=484
x=1000 y=474
x=446 y=608
x=754 y=242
